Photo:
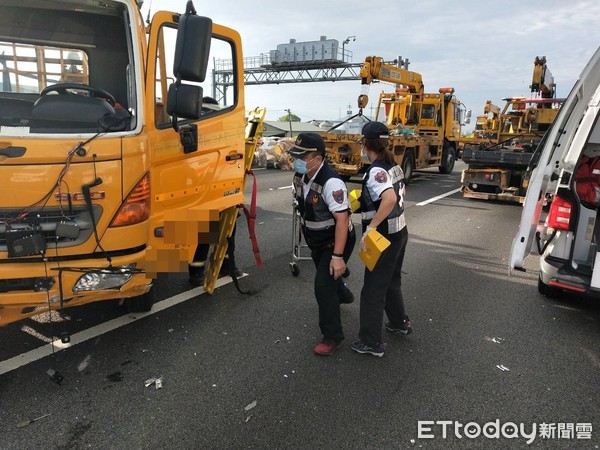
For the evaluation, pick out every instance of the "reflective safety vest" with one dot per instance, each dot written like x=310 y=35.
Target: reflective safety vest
x=395 y=221
x=318 y=224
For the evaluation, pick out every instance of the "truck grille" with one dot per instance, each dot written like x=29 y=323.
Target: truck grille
x=45 y=222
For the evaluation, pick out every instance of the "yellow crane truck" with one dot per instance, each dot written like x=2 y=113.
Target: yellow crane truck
x=486 y=125
x=424 y=127
x=113 y=164
x=498 y=161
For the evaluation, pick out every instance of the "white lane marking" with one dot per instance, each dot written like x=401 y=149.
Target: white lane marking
x=433 y=199
x=285 y=187
x=85 y=335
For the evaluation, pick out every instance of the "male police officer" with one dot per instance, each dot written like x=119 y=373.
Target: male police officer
x=322 y=201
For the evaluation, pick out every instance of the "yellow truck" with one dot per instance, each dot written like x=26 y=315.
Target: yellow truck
x=498 y=162
x=113 y=164
x=486 y=125
x=424 y=127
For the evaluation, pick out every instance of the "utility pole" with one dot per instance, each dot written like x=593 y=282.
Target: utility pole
x=290 y=120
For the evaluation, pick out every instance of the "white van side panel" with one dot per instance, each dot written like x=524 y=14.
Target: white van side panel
x=551 y=161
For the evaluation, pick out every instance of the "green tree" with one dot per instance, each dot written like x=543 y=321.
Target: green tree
x=289 y=118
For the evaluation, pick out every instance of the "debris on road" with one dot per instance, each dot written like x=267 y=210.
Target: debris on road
x=55 y=376
x=115 y=377
x=503 y=368
x=83 y=364
x=26 y=422
x=250 y=406
x=157 y=382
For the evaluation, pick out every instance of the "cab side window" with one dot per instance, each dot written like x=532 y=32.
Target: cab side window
x=219 y=87
x=428 y=112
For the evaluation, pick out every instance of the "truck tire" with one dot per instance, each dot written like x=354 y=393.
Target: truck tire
x=448 y=159
x=141 y=303
x=408 y=166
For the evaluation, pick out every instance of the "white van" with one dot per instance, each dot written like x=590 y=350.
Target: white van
x=568 y=238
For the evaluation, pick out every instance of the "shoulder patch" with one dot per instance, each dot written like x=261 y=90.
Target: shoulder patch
x=381 y=176
x=338 y=196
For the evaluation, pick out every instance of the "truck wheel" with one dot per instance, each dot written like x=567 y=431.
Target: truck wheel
x=548 y=291
x=141 y=303
x=408 y=165
x=448 y=160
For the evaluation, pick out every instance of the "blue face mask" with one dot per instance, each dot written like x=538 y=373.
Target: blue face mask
x=364 y=155
x=300 y=166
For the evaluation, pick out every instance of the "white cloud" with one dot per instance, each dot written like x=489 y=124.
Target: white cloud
x=484 y=49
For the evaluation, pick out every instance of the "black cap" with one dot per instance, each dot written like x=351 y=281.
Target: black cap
x=306 y=143
x=375 y=130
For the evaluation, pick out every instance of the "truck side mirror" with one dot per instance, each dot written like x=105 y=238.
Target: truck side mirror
x=192 y=47
x=467 y=117
x=184 y=100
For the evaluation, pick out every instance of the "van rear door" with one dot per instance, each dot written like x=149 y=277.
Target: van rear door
x=561 y=150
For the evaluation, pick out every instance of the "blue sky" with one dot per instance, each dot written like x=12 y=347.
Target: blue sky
x=484 y=49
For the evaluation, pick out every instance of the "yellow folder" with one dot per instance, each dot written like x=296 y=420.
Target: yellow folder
x=376 y=243
x=354 y=197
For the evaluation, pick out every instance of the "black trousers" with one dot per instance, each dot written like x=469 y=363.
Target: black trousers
x=382 y=291
x=329 y=291
x=201 y=253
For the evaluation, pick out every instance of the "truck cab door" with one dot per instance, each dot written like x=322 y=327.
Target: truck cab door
x=560 y=150
x=195 y=127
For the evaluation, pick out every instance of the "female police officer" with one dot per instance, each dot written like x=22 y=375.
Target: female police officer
x=322 y=201
x=382 y=209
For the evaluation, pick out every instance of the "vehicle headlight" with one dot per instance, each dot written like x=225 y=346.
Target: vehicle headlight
x=107 y=278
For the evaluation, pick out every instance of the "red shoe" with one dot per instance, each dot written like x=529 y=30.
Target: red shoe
x=326 y=347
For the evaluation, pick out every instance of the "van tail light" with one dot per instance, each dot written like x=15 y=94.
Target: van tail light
x=559 y=216
x=136 y=207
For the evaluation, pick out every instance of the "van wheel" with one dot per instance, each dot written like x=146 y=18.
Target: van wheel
x=548 y=291
x=448 y=160
x=141 y=303
x=408 y=166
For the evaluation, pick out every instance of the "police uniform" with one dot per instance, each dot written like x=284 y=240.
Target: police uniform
x=318 y=198
x=382 y=286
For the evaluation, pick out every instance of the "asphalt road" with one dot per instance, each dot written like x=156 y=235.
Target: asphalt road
x=239 y=372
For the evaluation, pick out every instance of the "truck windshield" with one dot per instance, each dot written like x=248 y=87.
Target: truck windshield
x=64 y=70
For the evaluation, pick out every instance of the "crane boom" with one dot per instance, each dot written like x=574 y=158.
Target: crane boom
x=374 y=68
x=542 y=80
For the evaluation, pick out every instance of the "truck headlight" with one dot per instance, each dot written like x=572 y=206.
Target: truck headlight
x=107 y=278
